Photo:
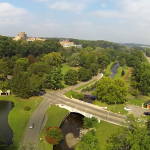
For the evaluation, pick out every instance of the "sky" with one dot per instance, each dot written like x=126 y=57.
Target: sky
x=121 y=21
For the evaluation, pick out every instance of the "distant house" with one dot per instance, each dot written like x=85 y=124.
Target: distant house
x=66 y=43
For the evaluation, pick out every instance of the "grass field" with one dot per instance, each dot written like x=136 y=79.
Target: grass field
x=55 y=115
x=104 y=131
x=85 y=85
x=18 y=118
x=70 y=93
x=118 y=107
x=66 y=67
x=108 y=70
x=119 y=71
x=137 y=102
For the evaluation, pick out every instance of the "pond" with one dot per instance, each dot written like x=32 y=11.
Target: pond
x=5 y=130
x=70 y=128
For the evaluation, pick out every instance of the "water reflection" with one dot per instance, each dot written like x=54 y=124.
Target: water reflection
x=114 y=69
x=5 y=130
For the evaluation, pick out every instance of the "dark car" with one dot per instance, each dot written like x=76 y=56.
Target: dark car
x=147 y=113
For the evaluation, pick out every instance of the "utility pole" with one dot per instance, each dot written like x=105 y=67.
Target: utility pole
x=114 y=106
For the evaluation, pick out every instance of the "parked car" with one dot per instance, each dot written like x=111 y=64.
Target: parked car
x=147 y=113
x=31 y=125
x=126 y=108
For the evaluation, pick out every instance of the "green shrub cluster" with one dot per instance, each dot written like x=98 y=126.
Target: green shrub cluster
x=26 y=108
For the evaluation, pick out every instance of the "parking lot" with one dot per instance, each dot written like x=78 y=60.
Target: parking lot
x=137 y=110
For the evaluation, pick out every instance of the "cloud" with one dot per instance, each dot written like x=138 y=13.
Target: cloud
x=7 y=10
x=68 y=6
x=127 y=9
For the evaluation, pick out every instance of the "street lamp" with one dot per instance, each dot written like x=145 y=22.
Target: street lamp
x=115 y=105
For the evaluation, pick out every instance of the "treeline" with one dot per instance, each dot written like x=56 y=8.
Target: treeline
x=36 y=65
x=9 y=48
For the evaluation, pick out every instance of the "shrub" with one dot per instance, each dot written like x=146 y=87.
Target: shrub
x=88 y=122
x=122 y=73
x=77 y=96
x=26 y=108
x=54 y=135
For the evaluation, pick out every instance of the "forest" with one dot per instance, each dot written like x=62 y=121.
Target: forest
x=37 y=65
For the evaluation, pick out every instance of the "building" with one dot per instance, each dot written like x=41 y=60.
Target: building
x=67 y=44
x=23 y=36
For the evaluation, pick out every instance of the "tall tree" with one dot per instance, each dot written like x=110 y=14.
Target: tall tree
x=21 y=83
x=71 y=77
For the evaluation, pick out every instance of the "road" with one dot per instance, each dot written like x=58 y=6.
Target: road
x=58 y=97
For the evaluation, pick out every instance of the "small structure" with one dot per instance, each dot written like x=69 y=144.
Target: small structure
x=5 y=93
x=148 y=104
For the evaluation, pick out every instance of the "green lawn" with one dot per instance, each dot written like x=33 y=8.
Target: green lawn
x=118 y=108
x=119 y=71
x=70 y=93
x=55 y=115
x=137 y=102
x=85 y=85
x=108 y=70
x=18 y=118
x=66 y=67
x=104 y=131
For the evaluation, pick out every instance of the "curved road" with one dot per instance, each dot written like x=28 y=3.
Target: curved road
x=58 y=97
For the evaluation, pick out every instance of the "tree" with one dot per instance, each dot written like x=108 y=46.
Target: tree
x=110 y=91
x=88 y=141
x=74 y=60
x=21 y=83
x=53 y=79
x=3 y=145
x=71 y=77
x=35 y=84
x=82 y=146
x=84 y=74
x=54 y=135
x=23 y=63
x=53 y=59
x=31 y=59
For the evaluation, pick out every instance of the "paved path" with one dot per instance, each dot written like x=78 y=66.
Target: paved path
x=58 y=97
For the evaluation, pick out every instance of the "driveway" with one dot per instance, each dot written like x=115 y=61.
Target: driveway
x=136 y=110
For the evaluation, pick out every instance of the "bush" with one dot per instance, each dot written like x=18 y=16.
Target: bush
x=122 y=73
x=88 y=122
x=77 y=96
x=26 y=108
x=54 y=135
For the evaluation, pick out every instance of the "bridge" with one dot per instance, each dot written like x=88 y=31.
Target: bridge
x=75 y=110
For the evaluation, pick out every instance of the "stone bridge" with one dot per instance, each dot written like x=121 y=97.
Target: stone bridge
x=84 y=113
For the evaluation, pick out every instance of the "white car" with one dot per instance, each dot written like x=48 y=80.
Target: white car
x=126 y=108
x=31 y=125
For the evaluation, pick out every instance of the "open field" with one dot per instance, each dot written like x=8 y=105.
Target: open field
x=119 y=71
x=66 y=67
x=55 y=115
x=104 y=131
x=18 y=118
